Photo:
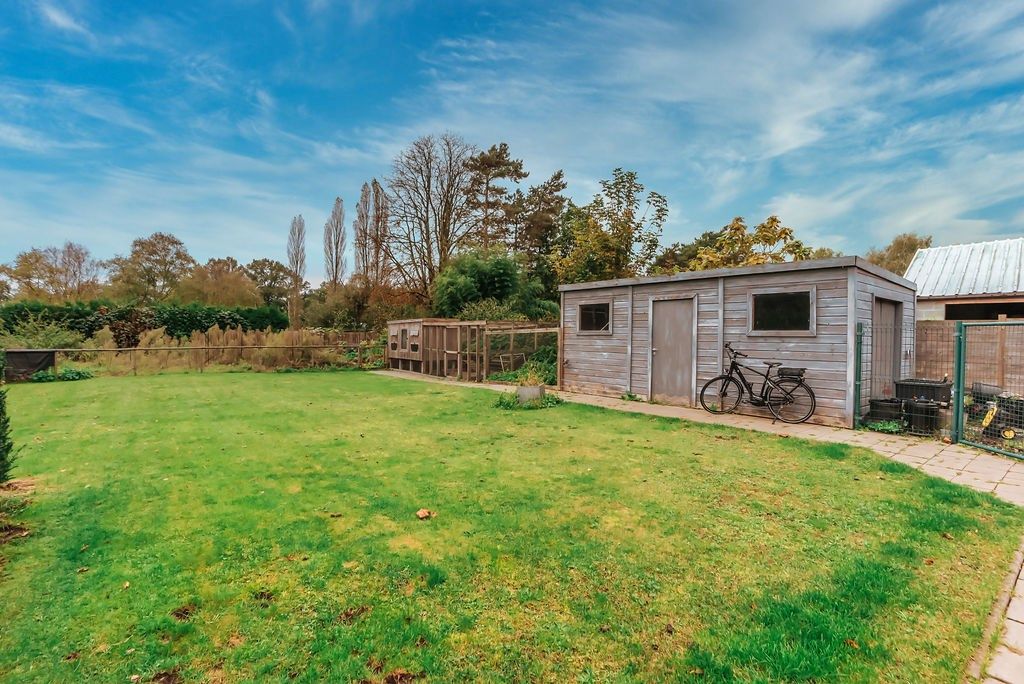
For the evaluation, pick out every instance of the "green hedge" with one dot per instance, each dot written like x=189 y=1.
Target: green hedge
x=179 y=320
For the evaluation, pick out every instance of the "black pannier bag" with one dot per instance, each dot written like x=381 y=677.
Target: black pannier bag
x=786 y=372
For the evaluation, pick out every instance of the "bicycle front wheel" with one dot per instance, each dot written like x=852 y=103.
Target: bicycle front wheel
x=791 y=401
x=721 y=394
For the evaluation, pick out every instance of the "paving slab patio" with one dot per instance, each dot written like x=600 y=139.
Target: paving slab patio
x=980 y=470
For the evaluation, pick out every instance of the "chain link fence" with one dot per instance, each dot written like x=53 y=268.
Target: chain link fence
x=989 y=373
x=903 y=378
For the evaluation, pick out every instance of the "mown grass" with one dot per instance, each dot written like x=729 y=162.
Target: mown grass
x=262 y=527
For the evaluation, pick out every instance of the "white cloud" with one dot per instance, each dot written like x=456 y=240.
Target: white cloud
x=60 y=19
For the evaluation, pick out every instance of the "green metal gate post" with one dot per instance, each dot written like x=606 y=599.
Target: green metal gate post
x=857 y=348
x=959 y=378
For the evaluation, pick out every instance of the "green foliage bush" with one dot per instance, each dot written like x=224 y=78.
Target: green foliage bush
x=7 y=452
x=74 y=316
x=66 y=374
x=475 y=286
x=510 y=402
x=490 y=309
x=34 y=332
x=543 y=363
x=85 y=319
x=889 y=427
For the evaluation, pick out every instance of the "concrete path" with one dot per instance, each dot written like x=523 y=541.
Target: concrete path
x=974 y=468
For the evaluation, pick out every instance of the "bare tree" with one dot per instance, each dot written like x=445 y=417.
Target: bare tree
x=361 y=232
x=430 y=219
x=371 y=236
x=54 y=274
x=334 y=245
x=297 y=266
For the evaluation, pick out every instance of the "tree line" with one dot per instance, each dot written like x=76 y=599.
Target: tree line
x=453 y=230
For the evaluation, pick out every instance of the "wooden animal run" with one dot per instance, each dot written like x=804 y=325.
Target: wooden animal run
x=466 y=350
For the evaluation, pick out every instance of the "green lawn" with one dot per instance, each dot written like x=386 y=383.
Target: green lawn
x=234 y=526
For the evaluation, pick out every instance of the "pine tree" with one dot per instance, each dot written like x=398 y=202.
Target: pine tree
x=488 y=200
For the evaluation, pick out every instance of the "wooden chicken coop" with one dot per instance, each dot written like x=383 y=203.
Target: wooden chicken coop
x=467 y=350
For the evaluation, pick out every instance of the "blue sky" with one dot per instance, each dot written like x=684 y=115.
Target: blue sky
x=852 y=119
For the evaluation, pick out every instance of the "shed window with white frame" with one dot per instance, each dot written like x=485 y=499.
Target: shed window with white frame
x=595 y=317
x=782 y=312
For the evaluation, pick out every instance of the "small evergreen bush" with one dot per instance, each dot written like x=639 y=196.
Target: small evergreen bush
x=6 y=443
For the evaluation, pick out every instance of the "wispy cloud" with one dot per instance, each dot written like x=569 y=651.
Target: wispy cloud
x=853 y=119
x=62 y=20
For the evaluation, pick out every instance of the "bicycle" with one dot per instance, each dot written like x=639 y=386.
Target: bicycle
x=785 y=394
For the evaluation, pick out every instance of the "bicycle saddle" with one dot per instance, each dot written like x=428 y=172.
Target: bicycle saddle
x=772 y=364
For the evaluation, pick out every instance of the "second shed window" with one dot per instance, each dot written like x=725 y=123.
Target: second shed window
x=596 y=317
x=782 y=311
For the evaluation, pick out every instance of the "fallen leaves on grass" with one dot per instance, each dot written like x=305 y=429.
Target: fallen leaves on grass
x=71 y=656
x=400 y=676
x=83 y=569
x=375 y=665
x=425 y=514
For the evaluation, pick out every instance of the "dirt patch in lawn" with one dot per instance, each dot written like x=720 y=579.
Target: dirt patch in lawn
x=167 y=677
x=23 y=485
x=10 y=532
x=184 y=613
x=350 y=615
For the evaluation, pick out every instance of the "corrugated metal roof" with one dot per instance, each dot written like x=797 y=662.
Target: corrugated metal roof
x=978 y=268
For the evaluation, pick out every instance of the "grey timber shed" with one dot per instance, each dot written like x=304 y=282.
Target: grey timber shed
x=802 y=313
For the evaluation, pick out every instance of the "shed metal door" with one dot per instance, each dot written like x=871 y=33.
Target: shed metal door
x=885 y=348
x=672 y=350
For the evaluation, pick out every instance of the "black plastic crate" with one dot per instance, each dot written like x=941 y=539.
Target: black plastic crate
x=885 y=409
x=1011 y=411
x=921 y=417
x=924 y=390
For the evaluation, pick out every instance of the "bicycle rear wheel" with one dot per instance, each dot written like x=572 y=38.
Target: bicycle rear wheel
x=721 y=394
x=791 y=400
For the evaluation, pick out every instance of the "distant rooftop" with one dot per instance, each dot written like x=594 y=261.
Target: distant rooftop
x=975 y=269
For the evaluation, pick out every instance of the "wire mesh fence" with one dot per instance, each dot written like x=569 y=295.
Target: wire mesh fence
x=474 y=350
x=905 y=384
x=232 y=349
x=990 y=369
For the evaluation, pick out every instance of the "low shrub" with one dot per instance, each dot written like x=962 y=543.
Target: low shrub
x=7 y=451
x=67 y=374
x=510 y=402
x=889 y=427
x=35 y=332
x=531 y=372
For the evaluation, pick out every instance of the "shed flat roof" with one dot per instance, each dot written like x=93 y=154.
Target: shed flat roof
x=806 y=265
x=976 y=269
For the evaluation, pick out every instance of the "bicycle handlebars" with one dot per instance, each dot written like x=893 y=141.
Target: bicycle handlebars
x=733 y=352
